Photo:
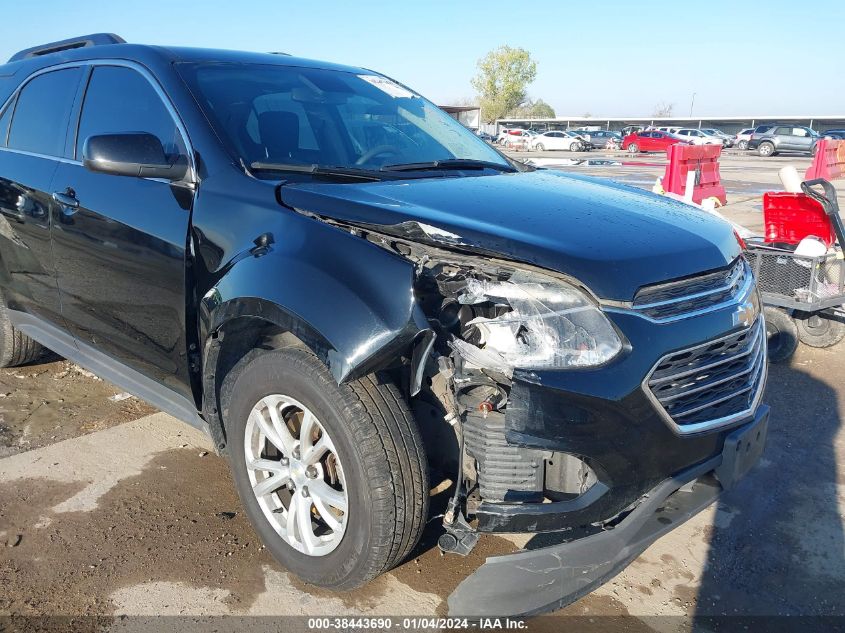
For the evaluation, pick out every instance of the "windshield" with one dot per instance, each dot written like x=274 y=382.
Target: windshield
x=288 y=115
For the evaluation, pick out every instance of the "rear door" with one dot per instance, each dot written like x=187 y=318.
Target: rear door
x=34 y=126
x=120 y=251
x=802 y=139
x=785 y=139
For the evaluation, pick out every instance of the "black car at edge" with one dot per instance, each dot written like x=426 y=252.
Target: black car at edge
x=357 y=298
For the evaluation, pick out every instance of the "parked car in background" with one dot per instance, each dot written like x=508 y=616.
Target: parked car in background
x=838 y=135
x=557 y=140
x=670 y=130
x=650 y=141
x=484 y=136
x=743 y=137
x=699 y=137
x=785 y=138
x=600 y=138
x=727 y=139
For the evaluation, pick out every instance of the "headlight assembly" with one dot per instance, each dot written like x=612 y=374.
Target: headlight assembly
x=534 y=322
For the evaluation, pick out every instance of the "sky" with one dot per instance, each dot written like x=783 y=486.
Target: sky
x=605 y=57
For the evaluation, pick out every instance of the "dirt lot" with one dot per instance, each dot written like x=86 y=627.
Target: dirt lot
x=108 y=511
x=54 y=400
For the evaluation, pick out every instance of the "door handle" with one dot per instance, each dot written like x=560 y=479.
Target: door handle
x=67 y=201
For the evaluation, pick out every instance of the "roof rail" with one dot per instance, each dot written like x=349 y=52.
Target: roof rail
x=95 y=39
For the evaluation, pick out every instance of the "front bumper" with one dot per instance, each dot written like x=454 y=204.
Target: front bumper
x=540 y=580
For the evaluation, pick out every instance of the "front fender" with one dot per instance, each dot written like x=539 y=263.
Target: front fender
x=349 y=300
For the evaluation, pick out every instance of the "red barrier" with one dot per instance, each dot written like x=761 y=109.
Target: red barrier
x=829 y=161
x=704 y=161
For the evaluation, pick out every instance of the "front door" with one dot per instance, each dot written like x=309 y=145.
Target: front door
x=120 y=243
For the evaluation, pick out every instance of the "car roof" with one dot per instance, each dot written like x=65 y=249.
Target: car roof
x=144 y=53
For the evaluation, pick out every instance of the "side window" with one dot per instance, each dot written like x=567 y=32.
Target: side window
x=5 y=117
x=785 y=131
x=40 y=120
x=120 y=100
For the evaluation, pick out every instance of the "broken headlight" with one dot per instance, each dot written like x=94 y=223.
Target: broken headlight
x=533 y=322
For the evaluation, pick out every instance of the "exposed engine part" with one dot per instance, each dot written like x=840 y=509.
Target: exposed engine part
x=505 y=472
x=460 y=537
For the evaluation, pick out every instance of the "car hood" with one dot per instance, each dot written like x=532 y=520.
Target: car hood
x=611 y=237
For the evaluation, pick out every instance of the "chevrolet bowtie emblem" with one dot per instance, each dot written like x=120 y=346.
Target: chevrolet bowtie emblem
x=745 y=314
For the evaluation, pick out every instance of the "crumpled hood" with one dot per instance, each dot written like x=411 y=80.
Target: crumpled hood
x=611 y=237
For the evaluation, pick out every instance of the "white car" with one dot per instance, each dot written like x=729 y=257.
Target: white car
x=557 y=139
x=698 y=137
x=743 y=137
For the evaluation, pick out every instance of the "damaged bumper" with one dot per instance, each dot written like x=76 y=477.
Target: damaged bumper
x=540 y=580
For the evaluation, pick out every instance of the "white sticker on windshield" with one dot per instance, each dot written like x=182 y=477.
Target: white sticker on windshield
x=387 y=86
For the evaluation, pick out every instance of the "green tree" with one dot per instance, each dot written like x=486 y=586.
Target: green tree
x=503 y=75
x=538 y=109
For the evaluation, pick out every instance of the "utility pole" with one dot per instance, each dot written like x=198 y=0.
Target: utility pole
x=692 y=103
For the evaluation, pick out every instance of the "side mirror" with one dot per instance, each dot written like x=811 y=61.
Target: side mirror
x=137 y=154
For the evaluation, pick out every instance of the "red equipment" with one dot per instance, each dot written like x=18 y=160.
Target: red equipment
x=790 y=217
x=704 y=161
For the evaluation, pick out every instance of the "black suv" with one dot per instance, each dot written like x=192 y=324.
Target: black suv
x=357 y=298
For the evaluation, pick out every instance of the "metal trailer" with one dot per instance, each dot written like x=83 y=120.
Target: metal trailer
x=802 y=296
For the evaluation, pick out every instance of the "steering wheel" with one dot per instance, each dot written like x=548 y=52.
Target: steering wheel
x=378 y=149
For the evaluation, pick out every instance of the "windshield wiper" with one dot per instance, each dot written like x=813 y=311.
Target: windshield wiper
x=449 y=163
x=318 y=170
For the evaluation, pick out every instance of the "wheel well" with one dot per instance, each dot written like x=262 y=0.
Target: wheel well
x=224 y=349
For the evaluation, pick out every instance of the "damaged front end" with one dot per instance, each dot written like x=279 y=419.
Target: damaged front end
x=528 y=387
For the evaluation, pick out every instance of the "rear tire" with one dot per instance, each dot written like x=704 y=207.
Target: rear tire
x=782 y=334
x=16 y=348
x=743 y=145
x=766 y=149
x=819 y=329
x=378 y=450
x=539 y=147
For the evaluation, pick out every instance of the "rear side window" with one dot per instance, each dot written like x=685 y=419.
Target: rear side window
x=40 y=120
x=5 y=117
x=121 y=100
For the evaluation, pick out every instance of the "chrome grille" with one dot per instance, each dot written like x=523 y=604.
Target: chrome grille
x=713 y=384
x=702 y=293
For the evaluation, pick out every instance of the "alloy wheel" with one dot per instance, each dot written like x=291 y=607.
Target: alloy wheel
x=296 y=475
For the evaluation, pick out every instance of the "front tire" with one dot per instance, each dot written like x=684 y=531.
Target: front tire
x=16 y=348
x=365 y=495
x=539 y=147
x=782 y=334
x=743 y=145
x=633 y=148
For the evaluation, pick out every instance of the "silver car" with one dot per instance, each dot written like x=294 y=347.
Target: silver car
x=784 y=138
